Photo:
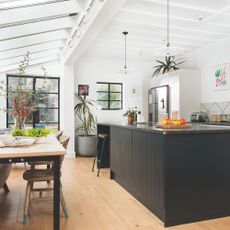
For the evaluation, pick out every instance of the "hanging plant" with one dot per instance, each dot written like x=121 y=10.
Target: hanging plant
x=170 y=64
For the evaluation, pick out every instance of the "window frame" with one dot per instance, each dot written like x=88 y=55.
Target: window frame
x=109 y=94
x=34 y=89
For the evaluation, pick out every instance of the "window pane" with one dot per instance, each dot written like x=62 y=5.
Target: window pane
x=53 y=127
x=115 y=104
x=103 y=104
x=47 y=85
x=115 y=88
x=115 y=96
x=102 y=96
x=102 y=87
x=48 y=115
x=48 y=100
x=26 y=82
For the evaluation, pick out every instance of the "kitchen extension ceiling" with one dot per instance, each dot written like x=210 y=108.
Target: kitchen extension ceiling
x=193 y=24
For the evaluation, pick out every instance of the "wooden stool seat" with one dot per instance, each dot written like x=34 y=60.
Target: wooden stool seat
x=103 y=136
x=38 y=175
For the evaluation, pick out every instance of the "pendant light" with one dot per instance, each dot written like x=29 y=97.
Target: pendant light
x=168 y=50
x=124 y=70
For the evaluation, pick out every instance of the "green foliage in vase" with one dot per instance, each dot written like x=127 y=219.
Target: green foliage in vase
x=169 y=64
x=83 y=111
x=36 y=132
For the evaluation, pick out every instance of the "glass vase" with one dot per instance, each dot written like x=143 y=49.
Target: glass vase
x=19 y=122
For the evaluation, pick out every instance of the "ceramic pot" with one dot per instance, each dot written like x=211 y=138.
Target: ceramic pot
x=130 y=120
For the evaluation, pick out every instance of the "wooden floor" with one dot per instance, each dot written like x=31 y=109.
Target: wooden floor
x=93 y=203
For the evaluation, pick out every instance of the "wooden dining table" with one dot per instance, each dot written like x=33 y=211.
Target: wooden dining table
x=46 y=149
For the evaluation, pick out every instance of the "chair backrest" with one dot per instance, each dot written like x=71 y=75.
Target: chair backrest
x=58 y=134
x=64 y=140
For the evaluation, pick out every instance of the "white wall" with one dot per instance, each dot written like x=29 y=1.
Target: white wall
x=207 y=57
x=53 y=70
x=92 y=70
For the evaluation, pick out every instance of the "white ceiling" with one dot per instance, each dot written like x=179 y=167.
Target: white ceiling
x=45 y=27
x=41 y=27
x=145 y=20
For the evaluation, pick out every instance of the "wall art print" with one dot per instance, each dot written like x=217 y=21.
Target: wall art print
x=221 y=74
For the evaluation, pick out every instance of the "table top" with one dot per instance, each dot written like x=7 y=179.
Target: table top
x=48 y=146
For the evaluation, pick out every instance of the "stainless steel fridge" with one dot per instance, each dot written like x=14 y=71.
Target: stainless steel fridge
x=158 y=103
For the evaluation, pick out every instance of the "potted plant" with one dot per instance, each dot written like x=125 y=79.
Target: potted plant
x=87 y=141
x=170 y=64
x=131 y=114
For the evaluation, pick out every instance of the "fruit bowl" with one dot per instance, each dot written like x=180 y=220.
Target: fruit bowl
x=173 y=124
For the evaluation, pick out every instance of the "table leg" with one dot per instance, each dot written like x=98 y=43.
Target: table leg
x=56 y=194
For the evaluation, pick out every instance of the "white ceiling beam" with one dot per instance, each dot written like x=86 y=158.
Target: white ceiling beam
x=35 y=28
x=38 y=12
x=172 y=27
x=183 y=6
x=112 y=30
x=32 y=57
x=14 y=66
x=32 y=49
x=33 y=40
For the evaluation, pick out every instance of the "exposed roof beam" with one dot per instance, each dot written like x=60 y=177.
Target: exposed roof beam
x=33 y=40
x=14 y=66
x=172 y=27
x=183 y=6
x=32 y=49
x=36 y=28
x=32 y=57
x=39 y=12
x=25 y=3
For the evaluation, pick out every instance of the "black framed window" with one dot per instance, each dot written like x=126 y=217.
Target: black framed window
x=48 y=113
x=110 y=95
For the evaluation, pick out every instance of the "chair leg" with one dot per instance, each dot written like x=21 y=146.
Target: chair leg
x=63 y=203
x=26 y=203
x=6 y=189
x=48 y=167
x=94 y=160
x=99 y=163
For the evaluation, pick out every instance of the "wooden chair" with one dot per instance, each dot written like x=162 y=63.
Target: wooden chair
x=45 y=163
x=5 y=170
x=39 y=175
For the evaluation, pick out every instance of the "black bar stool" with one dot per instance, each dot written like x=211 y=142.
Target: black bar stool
x=100 y=151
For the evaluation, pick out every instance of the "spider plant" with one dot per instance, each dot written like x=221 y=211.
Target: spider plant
x=170 y=64
x=83 y=111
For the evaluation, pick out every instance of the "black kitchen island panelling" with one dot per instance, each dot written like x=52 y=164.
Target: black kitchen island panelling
x=180 y=176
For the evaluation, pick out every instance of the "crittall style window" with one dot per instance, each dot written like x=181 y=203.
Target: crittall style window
x=48 y=112
x=110 y=95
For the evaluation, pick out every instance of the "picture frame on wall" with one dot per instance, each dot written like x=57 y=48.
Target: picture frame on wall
x=221 y=77
x=83 y=90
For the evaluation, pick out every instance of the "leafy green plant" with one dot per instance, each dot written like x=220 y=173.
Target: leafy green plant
x=170 y=64
x=36 y=132
x=83 y=111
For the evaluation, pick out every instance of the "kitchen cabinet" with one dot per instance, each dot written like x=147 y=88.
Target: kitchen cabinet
x=184 y=91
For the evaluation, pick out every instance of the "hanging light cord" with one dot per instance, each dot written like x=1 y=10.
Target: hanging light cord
x=168 y=44
x=125 y=33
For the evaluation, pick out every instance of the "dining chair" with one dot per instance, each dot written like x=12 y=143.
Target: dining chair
x=45 y=163
x=5 y=170
x=40 y=175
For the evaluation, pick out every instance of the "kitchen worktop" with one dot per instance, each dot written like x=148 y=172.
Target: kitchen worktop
x=196 y=128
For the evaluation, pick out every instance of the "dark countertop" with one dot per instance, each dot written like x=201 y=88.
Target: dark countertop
x=196 y=128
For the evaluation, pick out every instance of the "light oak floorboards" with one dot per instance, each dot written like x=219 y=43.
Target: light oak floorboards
x=93 y=204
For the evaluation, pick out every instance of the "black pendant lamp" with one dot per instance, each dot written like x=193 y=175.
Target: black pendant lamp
x=124 y=70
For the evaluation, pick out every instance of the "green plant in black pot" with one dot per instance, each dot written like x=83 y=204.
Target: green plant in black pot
x=86 y=139
x=169 y=64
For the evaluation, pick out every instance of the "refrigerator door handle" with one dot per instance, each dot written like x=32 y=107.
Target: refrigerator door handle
x=163 y=103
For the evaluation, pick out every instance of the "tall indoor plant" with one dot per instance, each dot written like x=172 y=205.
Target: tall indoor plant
x=86 y=139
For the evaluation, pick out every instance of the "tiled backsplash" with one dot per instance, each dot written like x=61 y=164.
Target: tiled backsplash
x=219 y=108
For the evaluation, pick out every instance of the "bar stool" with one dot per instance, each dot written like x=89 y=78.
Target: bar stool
x=99 y=153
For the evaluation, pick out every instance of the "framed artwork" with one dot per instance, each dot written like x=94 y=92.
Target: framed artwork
x=221 y=76
x=83 y=90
